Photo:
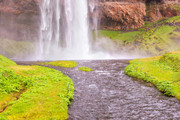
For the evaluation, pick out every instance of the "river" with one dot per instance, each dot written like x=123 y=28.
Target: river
x=108 y=94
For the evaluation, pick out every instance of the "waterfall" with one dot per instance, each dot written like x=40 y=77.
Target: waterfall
x=95 y=14
x=64 y=31
x=68 y=31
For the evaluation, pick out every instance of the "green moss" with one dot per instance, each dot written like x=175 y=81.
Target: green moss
x=171 y=59
x=176 y=18
x=45 y=93
x=163 y=72
x=177 y=8
x=86 y=69
x=119 y=36
x=5 y=61
x=159 y=40
x=68 y=64
x=154 y=38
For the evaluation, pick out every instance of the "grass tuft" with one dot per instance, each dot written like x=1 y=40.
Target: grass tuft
x=86 y=69
x=68 y=64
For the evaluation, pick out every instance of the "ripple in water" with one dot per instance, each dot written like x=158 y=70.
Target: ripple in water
x=116 y=96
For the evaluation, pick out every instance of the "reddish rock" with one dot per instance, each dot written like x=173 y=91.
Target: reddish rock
x=167 y=8
x=19 y=19
x=19 y=6
x=114 y=15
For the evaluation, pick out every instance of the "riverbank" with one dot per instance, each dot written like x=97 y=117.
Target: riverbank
x=33 y=92
x=163 y=72
x=104 y=93
x=107 y=93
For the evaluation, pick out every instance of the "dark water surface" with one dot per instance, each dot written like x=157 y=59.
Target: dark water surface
x=108 y=94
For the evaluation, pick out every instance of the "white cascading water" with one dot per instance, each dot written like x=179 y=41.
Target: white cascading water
x=92 y=6
x=65 y=32
x=64 y=29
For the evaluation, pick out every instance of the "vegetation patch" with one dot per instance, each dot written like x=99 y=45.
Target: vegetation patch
x=86 y=69
x=33 y=92
x=5 y=61
x=119 y=35
x=162 y=71
x=154 y=38
x=172 y=59
x=68 y=64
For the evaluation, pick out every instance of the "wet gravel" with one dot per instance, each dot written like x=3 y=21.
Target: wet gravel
x=108 y=94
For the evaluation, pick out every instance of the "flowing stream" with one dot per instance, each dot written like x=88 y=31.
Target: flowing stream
x=108 y=94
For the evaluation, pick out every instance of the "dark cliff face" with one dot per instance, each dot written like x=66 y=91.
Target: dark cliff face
x=19 y=19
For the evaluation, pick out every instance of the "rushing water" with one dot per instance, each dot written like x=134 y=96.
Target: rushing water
x=64 y=29
x=108 y=94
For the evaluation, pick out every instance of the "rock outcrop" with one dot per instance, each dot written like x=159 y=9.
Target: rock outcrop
x=156 y=10
x=19 y=6
x=115 y=15
x=19 y=19
x=24 y=15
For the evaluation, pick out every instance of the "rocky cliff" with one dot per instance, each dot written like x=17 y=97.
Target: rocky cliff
x=19 y=6
x=19 y=27
x=24 y=15
x=156 y=10
x=114 y=14
x=19 y=19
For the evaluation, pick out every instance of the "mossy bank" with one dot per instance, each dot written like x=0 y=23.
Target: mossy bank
x=153 y=39
x=33 y=92
x=66 y=64
x=163 y=72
